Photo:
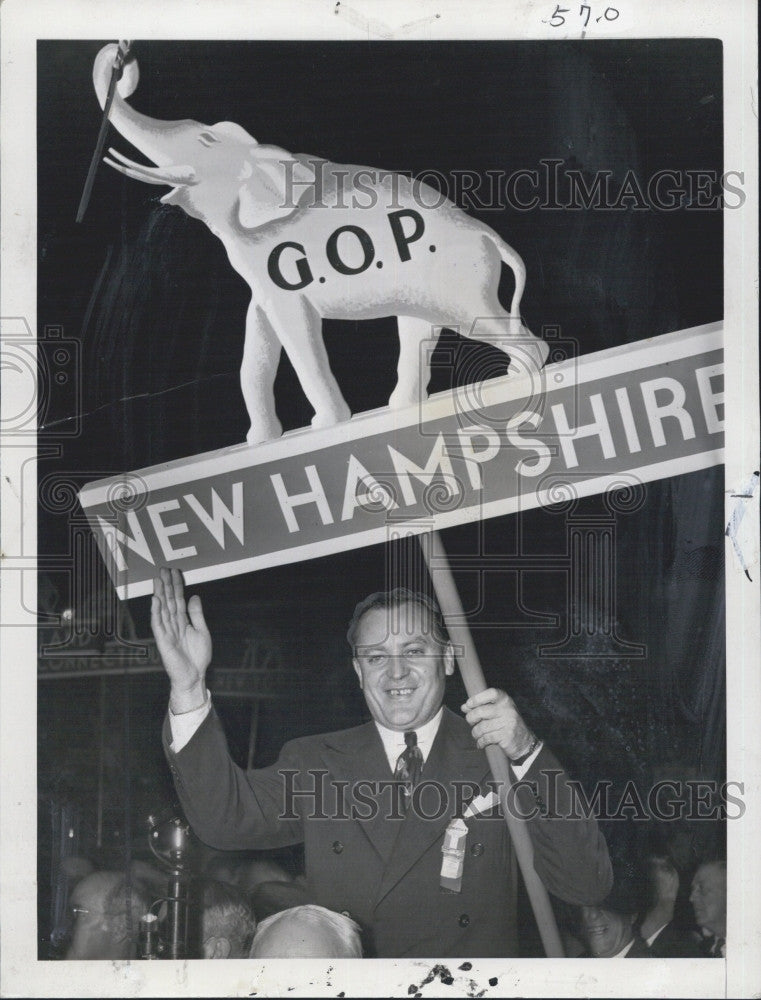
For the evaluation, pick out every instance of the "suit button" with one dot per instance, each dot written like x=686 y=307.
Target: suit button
x=464 y=920
x=337 y=846
x=477 y=850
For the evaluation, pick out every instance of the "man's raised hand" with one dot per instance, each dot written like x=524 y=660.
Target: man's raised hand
x=183 y=640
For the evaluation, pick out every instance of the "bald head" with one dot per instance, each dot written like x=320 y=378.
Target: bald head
x=307 y=932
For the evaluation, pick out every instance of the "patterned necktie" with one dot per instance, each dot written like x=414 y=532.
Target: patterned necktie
x=408 y=767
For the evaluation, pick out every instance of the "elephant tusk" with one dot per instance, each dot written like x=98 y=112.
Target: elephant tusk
x=151 y=175
x=129 y=172
x=125 y=159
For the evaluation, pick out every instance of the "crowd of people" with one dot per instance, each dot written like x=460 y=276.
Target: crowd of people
x=235 y=909
x=664 y=913
x=254 y=908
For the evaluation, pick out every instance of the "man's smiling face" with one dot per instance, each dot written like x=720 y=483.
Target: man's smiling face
x=606 y=931
x=401 y=666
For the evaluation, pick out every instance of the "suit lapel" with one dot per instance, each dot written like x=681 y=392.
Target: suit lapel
x=356 y=755
x=453 y=756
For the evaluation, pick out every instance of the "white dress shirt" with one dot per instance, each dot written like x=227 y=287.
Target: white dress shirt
x=393 y=741
x=653 y=936
x=624 y=951
x=184 y=725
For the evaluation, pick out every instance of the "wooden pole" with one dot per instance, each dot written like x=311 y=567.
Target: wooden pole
x=473 y=678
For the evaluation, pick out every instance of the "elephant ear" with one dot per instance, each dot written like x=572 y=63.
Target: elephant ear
x=274 y=181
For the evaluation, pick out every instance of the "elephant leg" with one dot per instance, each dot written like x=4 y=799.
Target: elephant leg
x=299 y=327
x=261 y=355
x=414 y=368
x=527 y=352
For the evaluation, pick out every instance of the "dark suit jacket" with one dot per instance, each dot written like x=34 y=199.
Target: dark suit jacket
x=672 y=942
x=385 y=872
x=639 y=949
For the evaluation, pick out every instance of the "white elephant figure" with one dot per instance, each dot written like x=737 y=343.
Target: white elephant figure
x=317 y=240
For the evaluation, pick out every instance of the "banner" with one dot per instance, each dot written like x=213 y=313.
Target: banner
x=650 y=410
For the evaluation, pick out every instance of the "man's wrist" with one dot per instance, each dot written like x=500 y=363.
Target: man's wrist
x=523 y=757
x=188 y=700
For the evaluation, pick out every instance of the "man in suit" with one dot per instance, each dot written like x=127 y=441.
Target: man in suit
x=709 y=901
x=373 y=804
x=660 y=929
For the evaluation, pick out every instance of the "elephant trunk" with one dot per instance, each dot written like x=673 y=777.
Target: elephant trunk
x=152 y=137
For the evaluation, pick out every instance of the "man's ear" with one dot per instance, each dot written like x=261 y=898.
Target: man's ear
x=357 y=669
x=216 y=947
x=273 y=183
x=449 y=659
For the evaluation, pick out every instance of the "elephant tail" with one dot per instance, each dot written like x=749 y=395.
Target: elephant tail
x=515 y=262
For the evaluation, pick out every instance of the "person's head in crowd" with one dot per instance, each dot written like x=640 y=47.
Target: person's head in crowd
x=107 y=913
x=71 y=871
x=662 y=881
x=402 y=656
x=709 y=897
x=608 y=928
x=227 y=921
x=307 y=932
x=661 y=892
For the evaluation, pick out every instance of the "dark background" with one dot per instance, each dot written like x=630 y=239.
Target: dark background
x=154 y=316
